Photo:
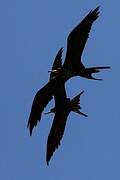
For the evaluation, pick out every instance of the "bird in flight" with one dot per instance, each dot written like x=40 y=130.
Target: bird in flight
x=63 y=107
x=72 y=67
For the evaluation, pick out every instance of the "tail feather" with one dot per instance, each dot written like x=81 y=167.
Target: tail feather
x=75 y=104
x=93 y=70
x=81 y=113
x=97 y=69
x=76 y=99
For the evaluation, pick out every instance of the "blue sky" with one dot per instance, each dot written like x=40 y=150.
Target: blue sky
x=31 y=32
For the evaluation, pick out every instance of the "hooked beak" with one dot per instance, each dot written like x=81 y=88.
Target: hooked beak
x=54 y=70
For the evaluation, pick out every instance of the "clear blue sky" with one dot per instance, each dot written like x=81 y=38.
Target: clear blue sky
x=31 y=32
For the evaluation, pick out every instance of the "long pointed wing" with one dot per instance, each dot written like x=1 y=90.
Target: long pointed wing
x=57 y=63
x=60 y=93
x=59 y=122
x=61 y=114
x=43 y=96
x=41 y=99
x=56 y=132
x=77 y=39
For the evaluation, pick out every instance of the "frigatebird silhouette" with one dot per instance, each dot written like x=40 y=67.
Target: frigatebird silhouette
x=63 y=106
x=72 y=67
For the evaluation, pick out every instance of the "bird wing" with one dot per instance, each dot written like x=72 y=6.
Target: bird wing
x=59 y=122
x=77 y=39
x=44 y=95
x=60 y=95
x=41 y=99
x=56 y=132
x=60 y=92
x=57 y=63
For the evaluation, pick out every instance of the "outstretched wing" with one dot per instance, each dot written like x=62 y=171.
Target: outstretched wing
x=57 y=63
x=44 y=95
x=59 y=122
x=56 y=132
x=60 y=93
x=41 y=99
x=77 y=39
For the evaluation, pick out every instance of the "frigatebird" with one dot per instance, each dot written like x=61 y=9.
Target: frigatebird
x=62 y=109
x=72 y=67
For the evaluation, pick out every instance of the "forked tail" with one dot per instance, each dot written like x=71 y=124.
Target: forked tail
x=93 y=70
x=75 y=104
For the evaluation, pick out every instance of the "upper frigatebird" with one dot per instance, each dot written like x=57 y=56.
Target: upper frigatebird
x=76 y=41
x=72 y=67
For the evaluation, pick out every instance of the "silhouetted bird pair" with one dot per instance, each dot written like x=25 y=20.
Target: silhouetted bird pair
x=56 y=86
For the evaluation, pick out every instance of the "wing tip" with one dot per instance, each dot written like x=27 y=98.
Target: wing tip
x=80 y=93
x=30 y=128
x=97 y=10
x=48 y=158
x=60 y=51
x=47 y=161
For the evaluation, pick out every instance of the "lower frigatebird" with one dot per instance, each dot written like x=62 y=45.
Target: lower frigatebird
x=62 y=109
x=63 y=106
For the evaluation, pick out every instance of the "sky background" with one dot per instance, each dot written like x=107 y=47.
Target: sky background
x=31 y=33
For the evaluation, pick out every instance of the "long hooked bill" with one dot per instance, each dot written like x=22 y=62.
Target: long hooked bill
x=54 y=70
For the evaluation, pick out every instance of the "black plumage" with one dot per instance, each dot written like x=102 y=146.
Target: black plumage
x=63 y=106
x=72 y=67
